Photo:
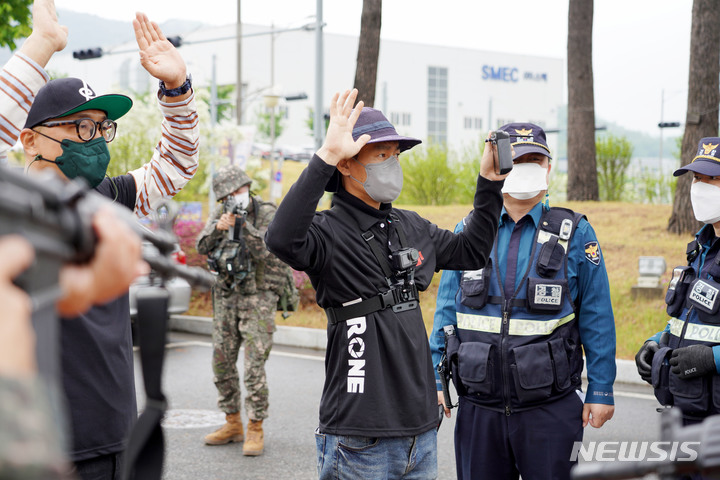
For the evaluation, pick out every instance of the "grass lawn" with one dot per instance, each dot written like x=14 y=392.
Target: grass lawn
x=625 y=231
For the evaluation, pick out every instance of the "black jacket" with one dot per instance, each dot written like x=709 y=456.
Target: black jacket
x=379 y=378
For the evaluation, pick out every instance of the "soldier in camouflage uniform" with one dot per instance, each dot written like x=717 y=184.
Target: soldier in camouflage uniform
x=244 y=300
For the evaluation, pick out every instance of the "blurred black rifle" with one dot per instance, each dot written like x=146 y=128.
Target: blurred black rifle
x=234 y=208
x=56 y=216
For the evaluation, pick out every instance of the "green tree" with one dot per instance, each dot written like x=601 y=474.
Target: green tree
x=613 y=158
x=137 y=135
x=263 y=124
x=225 y=106
x=16 y=21
x=310 y=121
x=428 y=177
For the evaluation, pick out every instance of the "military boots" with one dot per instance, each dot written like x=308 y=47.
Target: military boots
x=232 y=431
x=254 y=443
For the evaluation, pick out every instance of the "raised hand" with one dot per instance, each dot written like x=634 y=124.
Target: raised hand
x=339 y=143
x=48 y=36
x=157 y=55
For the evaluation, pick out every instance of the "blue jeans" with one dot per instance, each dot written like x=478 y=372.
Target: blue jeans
x=341 y=457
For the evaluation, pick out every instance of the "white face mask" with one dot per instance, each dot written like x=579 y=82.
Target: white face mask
x=705 y=200
x=243 y=199
x=525 y=180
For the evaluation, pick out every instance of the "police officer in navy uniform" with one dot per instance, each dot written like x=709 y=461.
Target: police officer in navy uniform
x=682 y=362
x=517 y=328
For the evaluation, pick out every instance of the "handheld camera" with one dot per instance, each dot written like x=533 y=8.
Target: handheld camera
x=503 y=159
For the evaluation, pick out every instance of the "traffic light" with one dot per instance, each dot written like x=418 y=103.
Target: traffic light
x=668 y=124
x=297 y=96
x=88 y=53
x=176 y=40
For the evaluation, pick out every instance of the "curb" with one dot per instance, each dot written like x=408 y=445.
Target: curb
x=287 y=336
x=316 y=339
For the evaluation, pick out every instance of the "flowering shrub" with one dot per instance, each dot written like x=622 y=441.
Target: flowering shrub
x=187 y=232
x=305 y=288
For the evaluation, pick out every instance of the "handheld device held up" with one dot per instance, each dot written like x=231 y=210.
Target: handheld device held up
x=503 y=160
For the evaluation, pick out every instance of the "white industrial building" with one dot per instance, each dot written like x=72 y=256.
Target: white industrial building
x=447 y=94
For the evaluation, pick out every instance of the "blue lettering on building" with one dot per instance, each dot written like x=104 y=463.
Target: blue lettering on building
x=511 y=74
x=502 y=74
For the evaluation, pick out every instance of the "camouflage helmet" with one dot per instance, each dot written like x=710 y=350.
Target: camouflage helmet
x=228 y=179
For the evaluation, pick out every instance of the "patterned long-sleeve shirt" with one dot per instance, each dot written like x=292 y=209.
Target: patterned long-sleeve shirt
x=174 y=161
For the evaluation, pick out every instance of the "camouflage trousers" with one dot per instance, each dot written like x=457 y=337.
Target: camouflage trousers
x=247 y=320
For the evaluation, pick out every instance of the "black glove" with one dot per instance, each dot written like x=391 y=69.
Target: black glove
x=644 y=359
x=693 y=361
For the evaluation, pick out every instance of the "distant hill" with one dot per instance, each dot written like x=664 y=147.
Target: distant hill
x=87 y=31
x=644 y=145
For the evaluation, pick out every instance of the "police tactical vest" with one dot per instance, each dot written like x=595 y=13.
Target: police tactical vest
x=516 y=353
x=693 y=303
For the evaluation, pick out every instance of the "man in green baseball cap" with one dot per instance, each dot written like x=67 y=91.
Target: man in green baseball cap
x=64 y=127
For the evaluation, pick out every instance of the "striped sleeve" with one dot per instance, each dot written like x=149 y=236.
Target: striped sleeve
x=175 y=159
x=20 y=79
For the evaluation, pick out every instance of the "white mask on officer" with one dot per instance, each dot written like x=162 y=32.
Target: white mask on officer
x=705 y=199
x=243 y=199
x=525 y=181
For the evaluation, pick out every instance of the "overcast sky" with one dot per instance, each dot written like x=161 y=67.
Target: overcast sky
x=640 y=47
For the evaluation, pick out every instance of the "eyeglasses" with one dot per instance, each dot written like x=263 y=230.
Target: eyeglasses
x=86 y=128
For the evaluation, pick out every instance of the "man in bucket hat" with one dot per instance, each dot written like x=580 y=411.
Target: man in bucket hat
x=367 y=261
x=681 y=362
x=64 y=127
x=520 y=323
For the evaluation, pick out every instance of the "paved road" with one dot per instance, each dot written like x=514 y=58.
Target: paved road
x=296 y=378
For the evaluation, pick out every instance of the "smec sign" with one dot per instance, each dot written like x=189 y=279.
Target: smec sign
x=510 y=74
x=503 y=74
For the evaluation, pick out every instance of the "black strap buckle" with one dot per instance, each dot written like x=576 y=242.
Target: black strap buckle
x=387 y=299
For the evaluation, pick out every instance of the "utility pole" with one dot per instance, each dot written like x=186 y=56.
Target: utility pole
x=238 y=79
x=319 y=122
x=662 y=108
x=213 y=123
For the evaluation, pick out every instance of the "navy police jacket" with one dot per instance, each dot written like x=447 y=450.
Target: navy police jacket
x=379 y=379
x=515 y=353
x=693 y=303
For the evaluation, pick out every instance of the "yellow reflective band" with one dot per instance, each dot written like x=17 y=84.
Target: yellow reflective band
x=478 y=323
x=520 y=326
x=695 y=331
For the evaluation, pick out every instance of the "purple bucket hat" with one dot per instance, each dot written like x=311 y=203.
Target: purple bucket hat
x=372 y=122
x=707 y=159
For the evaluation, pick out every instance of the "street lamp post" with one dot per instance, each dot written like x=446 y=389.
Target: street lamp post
x=271 y=101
